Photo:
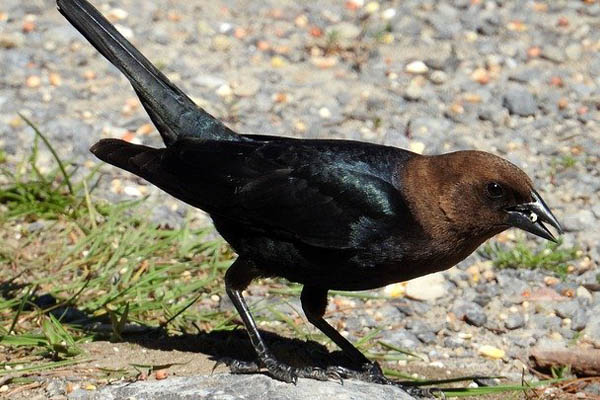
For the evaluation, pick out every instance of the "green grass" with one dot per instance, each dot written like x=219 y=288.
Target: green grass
x=563 y=163
x=105 y=261
x=110 y=266
x=550 y=256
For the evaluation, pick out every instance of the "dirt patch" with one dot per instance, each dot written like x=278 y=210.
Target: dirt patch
x=125 y=356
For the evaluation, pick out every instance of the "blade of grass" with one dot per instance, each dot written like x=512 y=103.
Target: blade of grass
x=21 y=306
x=400 y=350
x=42 y=367
x=180 y=311
x=51 y=149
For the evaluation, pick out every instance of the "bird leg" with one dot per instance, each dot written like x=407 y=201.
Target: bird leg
x=314 y=302
x=237 y=278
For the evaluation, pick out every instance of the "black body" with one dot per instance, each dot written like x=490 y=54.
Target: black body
x=328 y=214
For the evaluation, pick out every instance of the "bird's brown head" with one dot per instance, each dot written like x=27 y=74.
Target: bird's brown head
x=475 y=195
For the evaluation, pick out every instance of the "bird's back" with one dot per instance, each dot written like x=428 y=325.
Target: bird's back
x=326 y=195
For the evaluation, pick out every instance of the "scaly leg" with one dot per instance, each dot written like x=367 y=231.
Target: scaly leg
x=237 y=278
x=314 y=303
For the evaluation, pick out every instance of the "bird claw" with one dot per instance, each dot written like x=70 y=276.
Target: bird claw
x=372 y=373
x=321 y=374
x=237 y=366
x=281 y=371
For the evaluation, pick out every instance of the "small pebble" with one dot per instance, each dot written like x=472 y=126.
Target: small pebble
x=417 y=67
x=491 y=352
x=514 y=321
x=224 y=91
x=278 y=62
x=414 y=91
x=520 y=101
x=33 y=81
x=372 y=7
x=161 y=374
x=221 y=43
x=324 y=113
x=125 y=31
x=481 y=75
x=55 y=79
x=438 y=77
x=583 y=293
x=388 y=13
x=117 y=14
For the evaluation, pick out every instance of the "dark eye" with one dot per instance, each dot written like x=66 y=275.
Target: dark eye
x=494 y=190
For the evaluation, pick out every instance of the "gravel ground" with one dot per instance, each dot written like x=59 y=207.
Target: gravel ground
x=519 y=79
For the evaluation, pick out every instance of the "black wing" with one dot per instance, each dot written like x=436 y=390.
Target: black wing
x=296 y=190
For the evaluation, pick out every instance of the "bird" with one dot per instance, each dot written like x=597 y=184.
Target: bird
x=324 y=213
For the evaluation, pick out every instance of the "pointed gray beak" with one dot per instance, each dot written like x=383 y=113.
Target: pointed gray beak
x=530 y=218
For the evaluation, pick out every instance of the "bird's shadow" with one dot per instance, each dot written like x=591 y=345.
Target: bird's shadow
x=235 y=345
x=217 y=344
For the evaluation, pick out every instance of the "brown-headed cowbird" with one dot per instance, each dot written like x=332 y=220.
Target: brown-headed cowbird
x=329 y=214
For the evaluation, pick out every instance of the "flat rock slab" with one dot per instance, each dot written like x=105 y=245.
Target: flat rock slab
x=232 y=387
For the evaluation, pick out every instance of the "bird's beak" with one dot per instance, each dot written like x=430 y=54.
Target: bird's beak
x=530 y=217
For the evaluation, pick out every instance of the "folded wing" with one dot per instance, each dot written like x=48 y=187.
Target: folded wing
x=294 y=192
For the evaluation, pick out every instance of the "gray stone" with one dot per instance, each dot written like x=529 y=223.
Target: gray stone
x=553 y=53
x=417 y=325
x=596 y=210
x=401 y=338
x=592 y=329
x=413 y=92
x=579 y=221
x=446 y=29
x=545 y=322
x=492 y=113
x=525 y=75
x=567 y=309
x=35 y=226
x=519 y=101
x=359 y=322
x=438 y=77
x=482 y=299
x=413 y=307
x=390 y=312
x=55 y=387
x=471 y=312
x=234 y=387
x=573 y=51
x=514 y=321
x=453 y=342
x=427 y=337
x=525 y=341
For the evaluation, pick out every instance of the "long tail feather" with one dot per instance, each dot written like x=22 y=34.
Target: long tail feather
x=172 y=111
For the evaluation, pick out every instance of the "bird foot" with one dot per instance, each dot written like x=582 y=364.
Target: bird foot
x=281 y=371
x=371 y=372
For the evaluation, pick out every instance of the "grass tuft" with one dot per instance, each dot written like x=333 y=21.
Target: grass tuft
x=551 y=256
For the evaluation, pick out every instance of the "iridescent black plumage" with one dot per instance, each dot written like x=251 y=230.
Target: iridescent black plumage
x=328 y=214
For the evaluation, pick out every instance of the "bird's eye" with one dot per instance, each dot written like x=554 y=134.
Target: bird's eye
x=494 y=190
